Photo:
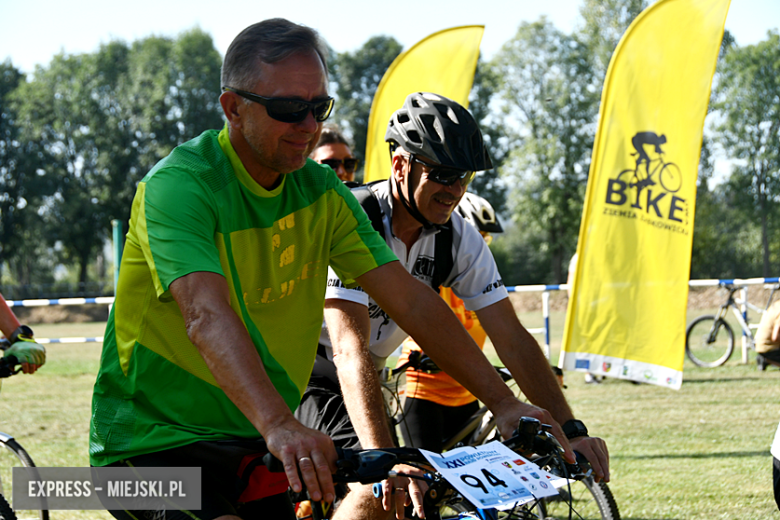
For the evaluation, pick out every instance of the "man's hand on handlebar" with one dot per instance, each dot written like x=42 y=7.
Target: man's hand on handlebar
x=29 y=354
x=308 y=451
x=509 y=413
x=404 y=491
x=595 y=450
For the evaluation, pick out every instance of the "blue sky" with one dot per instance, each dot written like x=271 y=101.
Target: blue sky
x=35 y=30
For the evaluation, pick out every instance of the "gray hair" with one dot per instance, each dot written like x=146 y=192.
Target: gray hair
x=269 y=41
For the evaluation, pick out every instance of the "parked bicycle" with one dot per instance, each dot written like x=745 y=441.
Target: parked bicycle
x=13 y=455
x=588 y=499
x=709 y=339
x=442 y=501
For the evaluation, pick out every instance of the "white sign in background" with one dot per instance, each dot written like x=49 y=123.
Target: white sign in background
x=493 y=476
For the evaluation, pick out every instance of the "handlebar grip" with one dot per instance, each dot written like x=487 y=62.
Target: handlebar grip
x=8 y=366
x=377 y=489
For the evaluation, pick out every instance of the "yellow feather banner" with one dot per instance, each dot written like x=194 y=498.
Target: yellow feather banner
x=626 y=317
x=443 y=63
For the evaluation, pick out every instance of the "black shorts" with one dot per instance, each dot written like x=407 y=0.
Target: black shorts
x=322 y=408
x=429 y=423
x=234 y=481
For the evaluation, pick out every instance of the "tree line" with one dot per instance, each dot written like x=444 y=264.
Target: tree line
x=79 y=133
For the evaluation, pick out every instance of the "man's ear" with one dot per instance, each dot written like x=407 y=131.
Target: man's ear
x=398 y=169
x=230 y=106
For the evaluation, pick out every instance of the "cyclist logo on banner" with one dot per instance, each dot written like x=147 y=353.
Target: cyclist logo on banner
x=656 y=171
x=647 y=190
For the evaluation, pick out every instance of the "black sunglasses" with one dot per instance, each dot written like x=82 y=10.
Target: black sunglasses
x=289 y=110
x=443 y=175
x=350 y=164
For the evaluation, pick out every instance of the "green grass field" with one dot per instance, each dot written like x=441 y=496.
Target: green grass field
x=698 y=453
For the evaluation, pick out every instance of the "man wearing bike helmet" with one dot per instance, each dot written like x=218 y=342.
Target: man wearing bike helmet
x=436 y=148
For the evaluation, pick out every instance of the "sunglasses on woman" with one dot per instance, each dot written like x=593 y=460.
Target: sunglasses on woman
x=443 y=175
x=288 y=110
x=350 y=164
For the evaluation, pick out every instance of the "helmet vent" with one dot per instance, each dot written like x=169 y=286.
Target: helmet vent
x=447 y=112
x=432 y=127
x=414 y=136
x=419 y=102
x=403 y=117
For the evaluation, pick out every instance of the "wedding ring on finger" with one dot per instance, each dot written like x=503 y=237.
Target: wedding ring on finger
x=300 y=461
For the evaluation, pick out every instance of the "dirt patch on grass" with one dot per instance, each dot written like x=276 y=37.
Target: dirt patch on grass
x=62 y=313
x=698 y=298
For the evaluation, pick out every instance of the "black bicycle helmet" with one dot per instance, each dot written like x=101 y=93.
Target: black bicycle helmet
x=440 y=129
x=479 y=213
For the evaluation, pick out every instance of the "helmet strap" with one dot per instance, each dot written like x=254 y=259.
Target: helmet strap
x=409 y=203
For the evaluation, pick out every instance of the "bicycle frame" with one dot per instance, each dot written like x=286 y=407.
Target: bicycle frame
x=734 y=305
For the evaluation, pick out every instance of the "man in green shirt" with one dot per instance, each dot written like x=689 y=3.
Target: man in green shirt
x=219 y=304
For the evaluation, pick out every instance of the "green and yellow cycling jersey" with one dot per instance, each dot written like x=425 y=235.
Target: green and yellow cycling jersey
x=199 y=210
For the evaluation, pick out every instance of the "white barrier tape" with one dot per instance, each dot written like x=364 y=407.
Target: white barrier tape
x=61 y=301
x=46 y=341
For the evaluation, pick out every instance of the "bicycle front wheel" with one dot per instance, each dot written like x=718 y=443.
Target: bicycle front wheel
x=12 y=455
x=6 y=513
x=709 y=342
x=586 y=499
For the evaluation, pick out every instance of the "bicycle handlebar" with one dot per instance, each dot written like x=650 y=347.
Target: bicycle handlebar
x=8 y=364
x=375 y=465
x=418 y=360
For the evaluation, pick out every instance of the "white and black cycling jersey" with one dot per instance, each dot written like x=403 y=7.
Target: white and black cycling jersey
x=474 y=277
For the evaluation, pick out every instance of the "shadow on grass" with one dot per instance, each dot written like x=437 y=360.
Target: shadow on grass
x=720 y=380
x=647 y=518
x=715 y=455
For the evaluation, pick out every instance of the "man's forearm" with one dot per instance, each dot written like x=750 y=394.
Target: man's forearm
x=224 y=343
x=8 y=321
x=424 y=315
x=348 y=328
x=521 y=354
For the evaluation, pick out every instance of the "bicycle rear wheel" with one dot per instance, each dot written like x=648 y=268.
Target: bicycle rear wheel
x=709 y=342
x=12 y=455
x=588 y=499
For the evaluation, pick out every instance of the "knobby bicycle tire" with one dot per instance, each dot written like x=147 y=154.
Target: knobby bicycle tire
x=709 y=341
x=591 y=500
x=24 y=458
x=6 y=513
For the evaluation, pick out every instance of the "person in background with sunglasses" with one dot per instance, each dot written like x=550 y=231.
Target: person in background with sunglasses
x=220 y=299
x=334 y=150
x=435 y=148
